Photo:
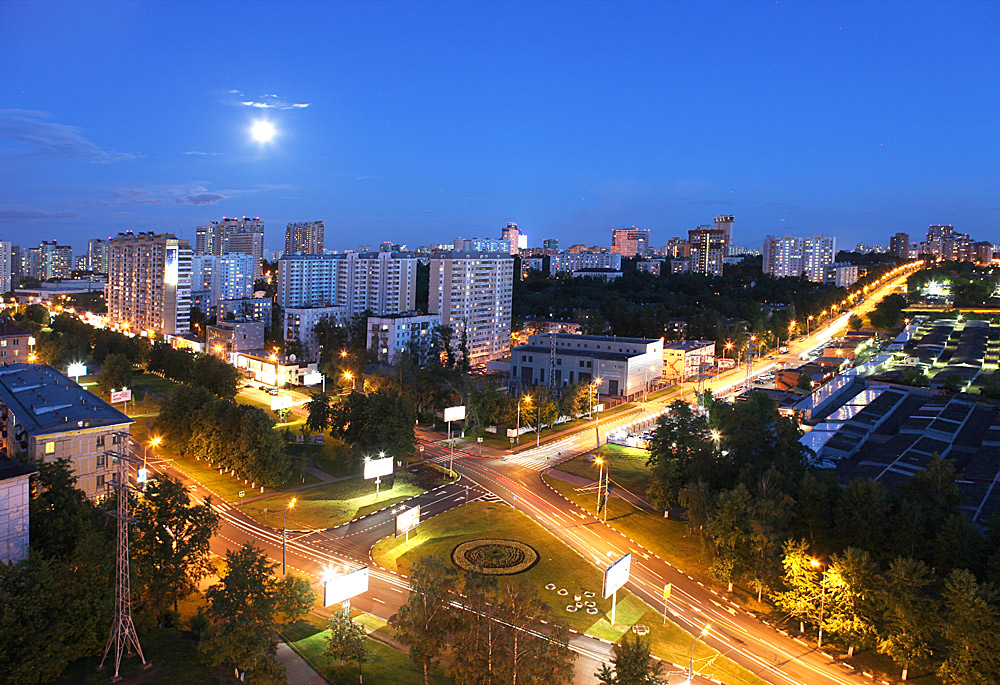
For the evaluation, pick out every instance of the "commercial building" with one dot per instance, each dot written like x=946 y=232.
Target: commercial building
x=227 y=337
x=707 y=249
x=304 y=237
x=899 y=245
x=789 y=256
x=683 y=359
x=276 y=371
x=149 y=283
x=56 y=260
x=630 y=242
x=471 y=293
x=215 y=278
x=625 y=366
x=569 y=262
x=47 y=416
x=411 y=332
x=14 y=518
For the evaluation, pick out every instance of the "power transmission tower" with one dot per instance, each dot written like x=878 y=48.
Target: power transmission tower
x=552 y=362
x=123 y=635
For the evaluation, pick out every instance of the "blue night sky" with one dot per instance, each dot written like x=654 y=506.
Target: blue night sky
x=418 y=123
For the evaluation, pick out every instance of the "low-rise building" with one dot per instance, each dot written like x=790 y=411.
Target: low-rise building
x=606 y=275
x=275 y=370
x=683 y=359
x=47 y=416
x=625 y=366
x=227 y=337
x=650 y=266
x=411 y=332
x=15 y=342
x=14 y=499
x=247 y=309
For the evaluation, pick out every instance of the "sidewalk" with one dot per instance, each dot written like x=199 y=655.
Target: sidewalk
x=299 y=672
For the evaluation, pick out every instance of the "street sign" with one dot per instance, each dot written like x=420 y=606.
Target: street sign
x=407 y=520
x=376 y=468
x=617 y=575
x=667 y=590
x=121 y=395
x=243 y=493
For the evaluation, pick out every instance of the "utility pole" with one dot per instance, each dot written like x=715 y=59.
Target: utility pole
x=123 y=635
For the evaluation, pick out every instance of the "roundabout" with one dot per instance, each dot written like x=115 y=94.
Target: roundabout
x=494 y=557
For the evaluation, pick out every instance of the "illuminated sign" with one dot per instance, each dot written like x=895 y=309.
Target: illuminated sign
x=340 y=588
x=121 y=395
x=279 y=402
x=454 y=413
x=141 y=477
x=76 y=370
x=376 y=468
x=170 y=267
x=407 y=520
x=617 y=575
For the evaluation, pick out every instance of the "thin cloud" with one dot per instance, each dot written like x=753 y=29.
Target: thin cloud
x=199 y=152
x=25 y=214
x=31 y=135
x=266 y=101
x=200 y=196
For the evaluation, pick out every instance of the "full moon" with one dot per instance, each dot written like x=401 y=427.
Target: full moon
x=262 y=131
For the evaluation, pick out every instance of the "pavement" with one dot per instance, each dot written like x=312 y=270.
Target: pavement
x=297 y=669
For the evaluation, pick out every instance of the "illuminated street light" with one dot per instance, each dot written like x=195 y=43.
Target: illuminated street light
x=816 y=563
x=283 y=534
x=703 y=633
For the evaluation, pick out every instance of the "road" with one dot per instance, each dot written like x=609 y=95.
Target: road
x=772 y=655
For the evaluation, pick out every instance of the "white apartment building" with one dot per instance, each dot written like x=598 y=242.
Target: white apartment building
x=14 y=502
x=47 y=416
x=244 y=236
x=149 y=283
x=566 y=262
x=56 y=260
x=407 y=332
x=842 y=275
x=708 y=247
x=299 y=323
x=625 y=366
x=791 y=256
x=471 y=293
x=383 y=282
x=818 y=252
x=97 y=255
x=482 y=245
x=218 y=278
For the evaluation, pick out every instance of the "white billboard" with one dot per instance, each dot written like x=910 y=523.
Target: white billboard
x=617 y=575
x=454 y=413
x=121 y=395
x=340 y=588
x=407 y=520
x=279 y=402
x=376 y=468
x=76 y=370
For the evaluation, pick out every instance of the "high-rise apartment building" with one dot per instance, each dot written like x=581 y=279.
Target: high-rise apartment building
x=471 y=292
x=724 y=223
x=97 y=255
x=512 y=235
x=217 y=278
x=630 y=242
x=31 y=263
x=245 y=236
x=482 y=245
x=790 y=256
x=304 y=237
x=707 y=250
x=551 y=244
x=149 y=283
x=6 y=266
x=564 y=262
x=56 y=260
x=899 y=245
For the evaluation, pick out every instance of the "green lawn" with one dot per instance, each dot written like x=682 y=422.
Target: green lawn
x=332 y=456
x=332 y=504
x=627 y=464
x=560 y=565
x=174 y=658
x=228 y=487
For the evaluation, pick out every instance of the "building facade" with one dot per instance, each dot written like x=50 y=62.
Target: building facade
x=149 y=283
x=304 y=237
x=790 y=256
x=245 y=236
x=630 y=242
x=569 y=262
x=511 y=235
x=482 y=245
x=383 y=282
x=899 y=245
x=842 y=275
x=411 y=332
x=707 y=248
x=14 y=517
x=15 y=343
x=227 y=337
x=683 y=359
x=56 y=260
x=7 y=273
x=624 y=367
x=299 y=324
x=216 y=278
x=471 y=293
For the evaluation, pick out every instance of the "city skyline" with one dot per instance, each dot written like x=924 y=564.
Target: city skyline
x=416 y=124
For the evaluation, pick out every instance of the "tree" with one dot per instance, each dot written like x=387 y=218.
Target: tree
x=855 y=322
x=852 y=589
x=115 y=373
x=479 y=638
x=295 y=597
x=346 y=641
x=971 y=630
x=680 y=452
x=862 y=514
x=319 y=412
x=905 y=631
x=729 y=531
x=532 y=658
x=241 y=607
x=801 y=599
x=424 y=621
x=380 y=422
x=633 y=665
x=171 y=548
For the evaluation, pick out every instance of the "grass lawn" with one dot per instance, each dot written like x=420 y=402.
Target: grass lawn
x=664 y=537
x=228 y=487
x=174 y=658
x=560 y=565
x=332 y=456
x=332 y=504
x=627 y=464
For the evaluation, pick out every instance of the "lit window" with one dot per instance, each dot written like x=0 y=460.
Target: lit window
x=50 y=448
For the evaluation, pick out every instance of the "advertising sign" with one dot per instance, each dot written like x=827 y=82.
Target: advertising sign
x=141 y=477
x=407 y=520
x=76 y=370
x=279 y=402
x=121 y=395
x=617 y=575
x=340 y=588
x=376 y=468
x=454 y=413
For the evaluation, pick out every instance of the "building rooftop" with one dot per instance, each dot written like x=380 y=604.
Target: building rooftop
x=12 y=469
x=574 y=352
x=9 y=329
x=687 y=345
x=602 y=338
x=45 y=401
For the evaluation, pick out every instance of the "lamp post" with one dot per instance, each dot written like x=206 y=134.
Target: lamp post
x=283 y=534
x=816 y=563
x=600 y=484
x=274 y=360
x=597 y=409
x=350 y=377
x=703 y=633
x=807 y=324
x=527 y=400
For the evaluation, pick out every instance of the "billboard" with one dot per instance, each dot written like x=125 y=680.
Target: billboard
x=76 y=370
x=375 y=468
x=407 y=520
x=340 y=588
x=121 y=395
x=281 y=402
x=617 y=575
x=454 y=413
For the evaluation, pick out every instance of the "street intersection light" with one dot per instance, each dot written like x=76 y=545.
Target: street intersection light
x=284 y=516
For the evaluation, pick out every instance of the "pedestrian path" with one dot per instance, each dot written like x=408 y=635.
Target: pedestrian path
x=299 y=672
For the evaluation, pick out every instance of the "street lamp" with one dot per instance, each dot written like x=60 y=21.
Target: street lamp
x=527 y=400
x=807 y=324
x=703 y=633
x=350 y=377
x=816 y=563
x=283 y=534
x=729 y=346
x=600 y=484
x=597 y=409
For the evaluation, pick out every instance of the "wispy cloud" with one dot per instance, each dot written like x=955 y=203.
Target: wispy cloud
x=265 y=101
x=132 y=196
x=32 y=135
x=201 y=196
x=20 y=213
x=199 y=152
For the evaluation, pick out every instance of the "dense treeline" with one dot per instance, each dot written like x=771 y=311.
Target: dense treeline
x=971 y=285
x=198 y=370
x=896 y=570
x=232 y=436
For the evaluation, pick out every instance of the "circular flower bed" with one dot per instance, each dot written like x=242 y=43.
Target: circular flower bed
x=494 y=557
